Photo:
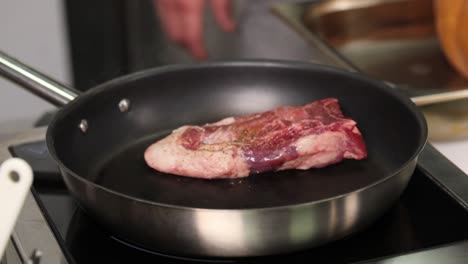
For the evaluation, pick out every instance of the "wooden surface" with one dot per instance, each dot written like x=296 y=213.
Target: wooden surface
x=452 y=19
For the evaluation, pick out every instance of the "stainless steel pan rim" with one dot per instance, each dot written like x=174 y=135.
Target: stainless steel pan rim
x=239 y=63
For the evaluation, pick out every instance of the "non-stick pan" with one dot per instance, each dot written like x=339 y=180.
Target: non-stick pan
x=98 y=140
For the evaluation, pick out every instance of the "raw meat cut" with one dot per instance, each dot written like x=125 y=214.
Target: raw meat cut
x=289 y=137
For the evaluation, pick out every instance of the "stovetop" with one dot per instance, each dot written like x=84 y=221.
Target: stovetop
x=426 y=216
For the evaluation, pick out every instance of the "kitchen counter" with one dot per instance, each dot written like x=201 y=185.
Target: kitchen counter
x=455 y=151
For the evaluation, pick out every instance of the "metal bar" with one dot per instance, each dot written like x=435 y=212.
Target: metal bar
x=36 y=82
x=440 y=97
x=19 y=248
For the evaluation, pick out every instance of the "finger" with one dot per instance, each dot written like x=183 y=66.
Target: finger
x=223 y=14
x=167 y=10
x=193 y=29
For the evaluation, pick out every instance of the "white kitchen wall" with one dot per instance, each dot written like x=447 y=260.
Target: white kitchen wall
x=35 y=33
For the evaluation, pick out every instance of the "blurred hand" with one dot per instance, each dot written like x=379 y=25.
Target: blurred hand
x=183 y=21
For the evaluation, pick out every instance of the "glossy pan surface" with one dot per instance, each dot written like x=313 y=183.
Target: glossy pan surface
x=263 y=214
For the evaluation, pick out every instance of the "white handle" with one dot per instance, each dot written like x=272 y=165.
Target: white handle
x=15 y=180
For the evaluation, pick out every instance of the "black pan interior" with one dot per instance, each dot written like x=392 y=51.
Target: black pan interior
x=110 y=154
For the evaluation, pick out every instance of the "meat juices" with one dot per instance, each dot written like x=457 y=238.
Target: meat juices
x=289 y=137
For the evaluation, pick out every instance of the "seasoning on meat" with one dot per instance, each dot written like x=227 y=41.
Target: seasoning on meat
x=289 y=137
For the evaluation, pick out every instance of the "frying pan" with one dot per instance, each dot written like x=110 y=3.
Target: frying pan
x=98 y=139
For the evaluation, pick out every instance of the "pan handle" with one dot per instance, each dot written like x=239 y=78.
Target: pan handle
x=442 y=97
x=36 y=82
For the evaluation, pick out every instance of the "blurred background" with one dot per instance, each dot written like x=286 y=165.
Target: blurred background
x=33 y=31
x=85 y=43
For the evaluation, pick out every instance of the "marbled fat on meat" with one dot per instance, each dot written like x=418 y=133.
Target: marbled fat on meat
x=289 y=137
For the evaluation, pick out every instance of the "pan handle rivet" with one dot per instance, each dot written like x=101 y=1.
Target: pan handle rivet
x=124 y=105
x=83 y=125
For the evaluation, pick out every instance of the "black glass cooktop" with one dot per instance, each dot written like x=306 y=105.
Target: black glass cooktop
x=425 y=216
